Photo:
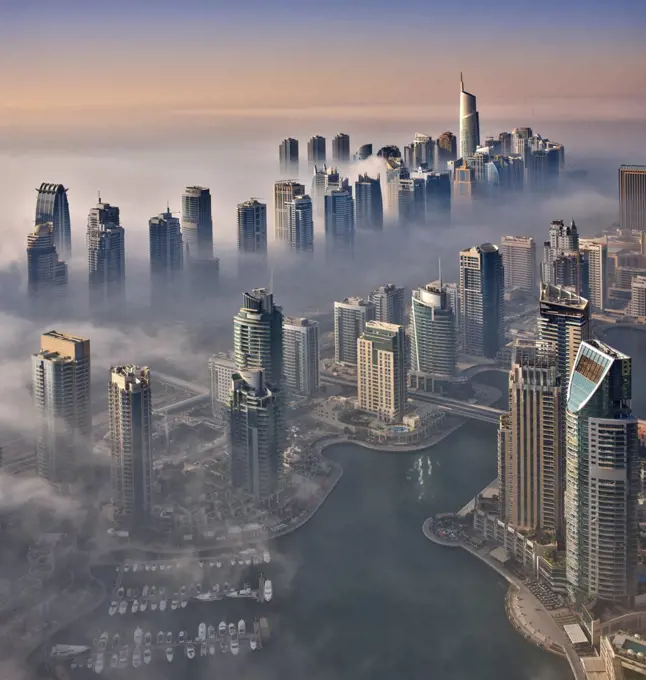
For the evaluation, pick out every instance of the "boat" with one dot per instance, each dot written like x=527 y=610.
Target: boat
x=232 y=629
x=218 y=564
x=123 y=607
x=246 y=591
x=240 y=562
x=160 y=637
x=182 y=637
x=202 y=564
x=208 y=597
x=169 y=638
x=252 y=642
x=233 y=563
x=67 y=651
x=190 y=650
x=148 y=655
x=153 y=591
x=99 y=663
x=248 y=561
x=268 y=591
x=212 y=648
x=73 y=664
x=153 y=605
x=222 y=628
x=146 y=566
x=162 y=605
x=198 y=588
x=120 y=592
x=242 y=627
x=115 y=641
x=136 y=657
x=145 y=591
x=135 y=566
x=203 y=649
x=143 y=606
x=148 y=639
x=174 y=603
x=103 y=640
x=226 y=587
x=114 y=661
x=129 y=593
x=126 y=567
x=153 y=567
x=201 y=632
x=123 y=656
x=210 y=632
x=136 y=592
x=135 y=606
x=170 y=653
x=183 y=603
x=211 y=564
x=139 y=634
x=216 y=588
x=235 y=646
x=255 y=560
x=113 y=608
x=90 y=662
x=224 y=645
x=266 y=556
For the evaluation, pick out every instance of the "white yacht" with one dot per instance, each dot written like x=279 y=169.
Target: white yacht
x=252 y=642
x=135 y=606
x=123 y=656
x=162 y=604
x=232 y=629
x=136 y=657
x=235 y=646
x=201 y=632
x=212 y=648
x=266 y=556
x=66 y=651
x=135 y=566
x=143 y=606
x=160 y=637
x=146 y=566
x=242 y=627
x=170 y=653
x=268 y=591
x=190 y=650
x=114 y=605
x=153 y=567
x=114 y=661
x=115 y=641
x=169 y=638
x=153 y=605
x=222 y=628
x=90 y=661
x=218 y=564
x=139 y=635
x=145 y=591
x=174 y=603
x=233 y=563
x=103 y=640
x=99 y=664
x=123 y=607
x=224 y=646
x=148 y=655
x=210 y=632
x=126 y=567
x=182 y=637
x=183 y=603
x=203 y=649
x=148 y=639
x=120 y=592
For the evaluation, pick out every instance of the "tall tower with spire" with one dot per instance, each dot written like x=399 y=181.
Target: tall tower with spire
x=469 y=122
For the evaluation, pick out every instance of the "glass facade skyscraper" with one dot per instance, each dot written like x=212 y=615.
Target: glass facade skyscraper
x=52 y=206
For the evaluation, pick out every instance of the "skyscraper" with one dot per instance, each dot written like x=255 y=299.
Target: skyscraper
x=530 y=492
x=464 y=183
x=301 y=224
x=197 y=224
x=257 y=434
x=106 y=255
x=52 y=206
x=433 y=340
x=221 y=370
x=288 y=156
x=339 y=221
x=341 y=148
x=519 y=260
x=446 y=149
x=130 y=435
x=166 y=247
x=595 y=270
x=562 y=263
x=350 y=318
x=469 y=123
x=381 y=371
x=638 y=296
x=369 y=208
x=389 y=302
x=482 y=300
x=61 y=389
x=252 y=227
x=325 y=180
x=438 y=198
x=632 y=197
x=316 y=150
x=602 y=483
x=284 y=192
x=258 y=336
x=44 y=270
x=363 y=152
x=411 y=199
x=301 y=355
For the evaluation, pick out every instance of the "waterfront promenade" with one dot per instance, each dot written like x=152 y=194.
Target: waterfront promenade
x=525 y=611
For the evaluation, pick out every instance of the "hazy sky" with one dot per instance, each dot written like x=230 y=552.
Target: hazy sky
x=211 y=54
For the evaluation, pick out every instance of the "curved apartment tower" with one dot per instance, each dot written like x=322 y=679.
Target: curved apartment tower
x=469 y=123
x=602 y=477
x=52 y=206
x=44 y=269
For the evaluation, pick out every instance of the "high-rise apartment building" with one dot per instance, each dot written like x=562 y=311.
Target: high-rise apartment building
x=166 y=247
x=420 y=152
x=339 y=221
x=301 y=224
x=350 y=318
x=301 y=355
x=602 y=477
x=433 y=341
x=341 y=148
x=52 y=206
x=411 y=200
x=381 y=371
x=529 y=444
x=62 y=401
x=482 y=300
x=390 y=303
x=464 y=183
x=284 y=193
x=325 y=180
x=106 y=252
x=197 y=223
x=221 y=369
x=316 y=150
x=252 y=227
x=595 y=272
x=563 y=264
x=438 y=198
x=638 y=296
x=632 y=197
x=288 y=156
x=519 y=260
x=446 y=149
x=257 y=434
x=369 y=208
x=258 y=336
x=130 y=436
x=469 y=123
x=363 y=152
x=44 y=270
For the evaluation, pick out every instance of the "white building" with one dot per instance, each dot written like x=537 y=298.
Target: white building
x=638 y=296
x=301 y=355
x=350 y=317
x=519 y=260
x=221 y=368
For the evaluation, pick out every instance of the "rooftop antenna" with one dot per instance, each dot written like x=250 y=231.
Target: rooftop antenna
x=167 y=206
x=461 y=82
x=440 y=274
x=271 y=280
x=99 y=193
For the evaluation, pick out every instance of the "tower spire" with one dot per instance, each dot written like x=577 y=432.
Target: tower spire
x=461 y=82
x=440 y=274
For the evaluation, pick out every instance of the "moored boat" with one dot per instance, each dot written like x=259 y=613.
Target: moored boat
x=252 y=642
x=123 y=607
x=212 y=648
x=203 y=649
x=139 y=634
x=210 y=632
x=113 y=608
x=143 y=606
x=162 y=605
x=201 y=632
x=115 y=641
x=235 y=645
x=66 y=651
x=232 y=629
x=242 y=627
x=99 y=664
x=222 y=628
x=103 y=640
x=268 y=591
x=135 y=606
x=136 y=657
x=148 y=639
x=224 y=645
x=160 y=637
x=190 y=650
x=266 y=556
x=114 y=661
x=170 y=653
x=148 y=655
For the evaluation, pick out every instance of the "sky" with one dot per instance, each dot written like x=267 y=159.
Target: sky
x=96 y=60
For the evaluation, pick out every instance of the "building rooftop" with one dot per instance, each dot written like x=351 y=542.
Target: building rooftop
x=561 y=296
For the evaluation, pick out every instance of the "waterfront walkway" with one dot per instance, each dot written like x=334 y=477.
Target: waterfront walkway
x=525 y=611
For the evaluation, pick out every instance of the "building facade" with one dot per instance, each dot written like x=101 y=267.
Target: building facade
x=469 y=123
x=301 y=224
x=632 y=197
x=288 y=156
x=519 y=260
x=390 y=303
x=166 y=247
x=316 y=150
x=45 y=272
x=595 y=273
x=197 y=223
x=106 y=250
x=339 y=221
x=301 y=355
x=252 y=227
x=381 y=371
x=221 y=369
x=52 y=206
x=369 y=207
x=284 y=193
x=341 y=148
x=638 y=296
x=350 y=318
